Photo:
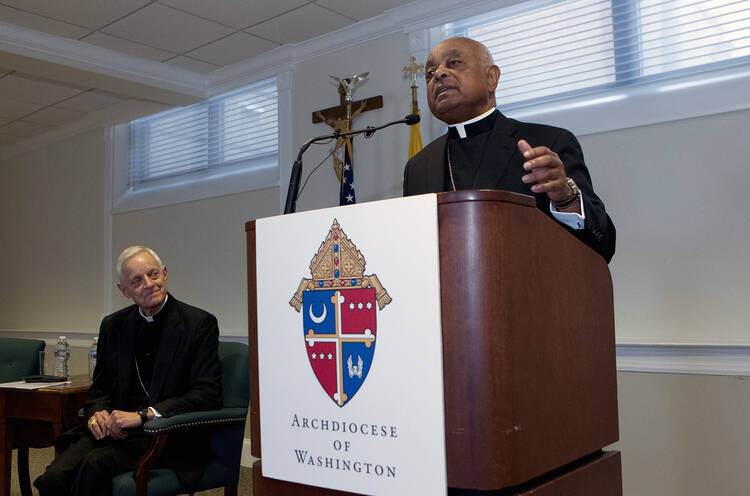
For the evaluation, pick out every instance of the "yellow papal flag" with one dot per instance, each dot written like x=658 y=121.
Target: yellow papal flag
x=415 y=137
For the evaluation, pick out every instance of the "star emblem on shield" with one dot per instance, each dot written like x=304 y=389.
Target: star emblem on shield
x=339 y=306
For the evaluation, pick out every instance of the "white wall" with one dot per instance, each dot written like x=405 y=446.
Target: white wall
x=683 y=435
x=677 y=192
x=52 y=234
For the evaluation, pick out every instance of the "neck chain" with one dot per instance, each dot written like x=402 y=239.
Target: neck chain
x=450 y=167
x=138 y=372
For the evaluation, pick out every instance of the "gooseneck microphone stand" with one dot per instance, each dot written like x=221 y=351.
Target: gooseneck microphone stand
x=293 y=191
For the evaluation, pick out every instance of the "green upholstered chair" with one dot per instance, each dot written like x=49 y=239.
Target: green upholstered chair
x=20 y=358
x=228 y=430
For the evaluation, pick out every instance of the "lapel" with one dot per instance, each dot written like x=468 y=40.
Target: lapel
x=126 y=350
x=435 y=165
x=170 y=343
x=500 y=149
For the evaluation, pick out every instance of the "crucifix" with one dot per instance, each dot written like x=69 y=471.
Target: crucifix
x=341 y=116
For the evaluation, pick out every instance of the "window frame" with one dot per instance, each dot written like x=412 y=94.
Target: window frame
x=232 y=177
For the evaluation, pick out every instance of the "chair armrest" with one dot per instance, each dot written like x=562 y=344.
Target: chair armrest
x=189 y=420
x=146 y=462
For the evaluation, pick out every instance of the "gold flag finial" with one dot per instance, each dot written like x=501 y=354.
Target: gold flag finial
x=415 y=132
x=413 y=69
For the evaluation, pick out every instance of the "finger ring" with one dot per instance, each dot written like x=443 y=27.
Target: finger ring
x=92 y=421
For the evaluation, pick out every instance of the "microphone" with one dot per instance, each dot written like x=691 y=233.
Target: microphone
x=411 y=119
x=291 y=195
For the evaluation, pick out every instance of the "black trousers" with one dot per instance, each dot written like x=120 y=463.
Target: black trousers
x=87 y=466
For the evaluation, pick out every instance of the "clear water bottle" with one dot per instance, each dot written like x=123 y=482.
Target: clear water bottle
x=92 y=358
x=62 y=354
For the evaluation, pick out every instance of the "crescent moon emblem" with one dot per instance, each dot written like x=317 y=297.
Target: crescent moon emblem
x=320 y=319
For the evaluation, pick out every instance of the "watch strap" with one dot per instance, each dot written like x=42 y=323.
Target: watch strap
x=573 y=198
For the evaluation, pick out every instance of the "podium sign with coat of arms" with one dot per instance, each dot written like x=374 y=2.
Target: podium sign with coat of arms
x=339 y=315
x=333 y=412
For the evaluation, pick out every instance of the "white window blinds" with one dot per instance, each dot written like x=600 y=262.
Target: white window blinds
x=237 y=129
x=551 y=50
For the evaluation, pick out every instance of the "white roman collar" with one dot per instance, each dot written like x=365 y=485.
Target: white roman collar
x=460 y=127
x=151 y=318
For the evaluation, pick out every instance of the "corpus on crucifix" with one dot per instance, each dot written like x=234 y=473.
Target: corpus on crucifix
x=340 y=118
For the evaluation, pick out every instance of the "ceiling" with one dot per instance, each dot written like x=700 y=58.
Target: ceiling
x=199 y=36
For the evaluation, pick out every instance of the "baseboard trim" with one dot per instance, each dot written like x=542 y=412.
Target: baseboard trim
x=684 y=359
x=671 y=358
x=83 y=339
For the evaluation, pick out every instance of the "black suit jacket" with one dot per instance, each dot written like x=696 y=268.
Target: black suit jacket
x=502 y=168
x=186 y=376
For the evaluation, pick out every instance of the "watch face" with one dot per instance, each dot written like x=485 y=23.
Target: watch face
x=573 y=186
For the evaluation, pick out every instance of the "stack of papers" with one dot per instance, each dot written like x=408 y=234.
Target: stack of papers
x=30 y=385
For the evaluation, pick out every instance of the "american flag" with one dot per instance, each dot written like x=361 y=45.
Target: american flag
x=346 y=194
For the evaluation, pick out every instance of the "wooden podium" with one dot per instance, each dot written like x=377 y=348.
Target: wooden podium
x=528 y=354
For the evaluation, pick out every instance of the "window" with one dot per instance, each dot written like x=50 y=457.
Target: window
x=233 y=132
x=555 y=50
x=682 y=34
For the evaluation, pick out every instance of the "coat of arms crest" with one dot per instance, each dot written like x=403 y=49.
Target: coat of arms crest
x=338 y=306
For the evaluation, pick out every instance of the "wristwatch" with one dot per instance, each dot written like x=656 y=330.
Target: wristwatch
x=144 y=415
x=573 y=197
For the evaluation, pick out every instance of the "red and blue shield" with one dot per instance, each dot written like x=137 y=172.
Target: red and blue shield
x=339 y=332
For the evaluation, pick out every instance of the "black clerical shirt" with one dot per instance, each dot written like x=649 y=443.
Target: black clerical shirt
x=464 y=155
x=147 y=340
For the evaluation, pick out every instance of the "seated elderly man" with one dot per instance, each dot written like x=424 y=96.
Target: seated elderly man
x=157 y=357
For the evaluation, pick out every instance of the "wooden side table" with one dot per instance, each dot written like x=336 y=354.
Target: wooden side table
x=33 y=419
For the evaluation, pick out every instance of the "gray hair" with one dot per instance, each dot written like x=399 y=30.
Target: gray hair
x=132 y=251
x=484 y=53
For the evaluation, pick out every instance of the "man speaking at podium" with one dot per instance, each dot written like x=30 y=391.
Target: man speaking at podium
x=483 y=149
